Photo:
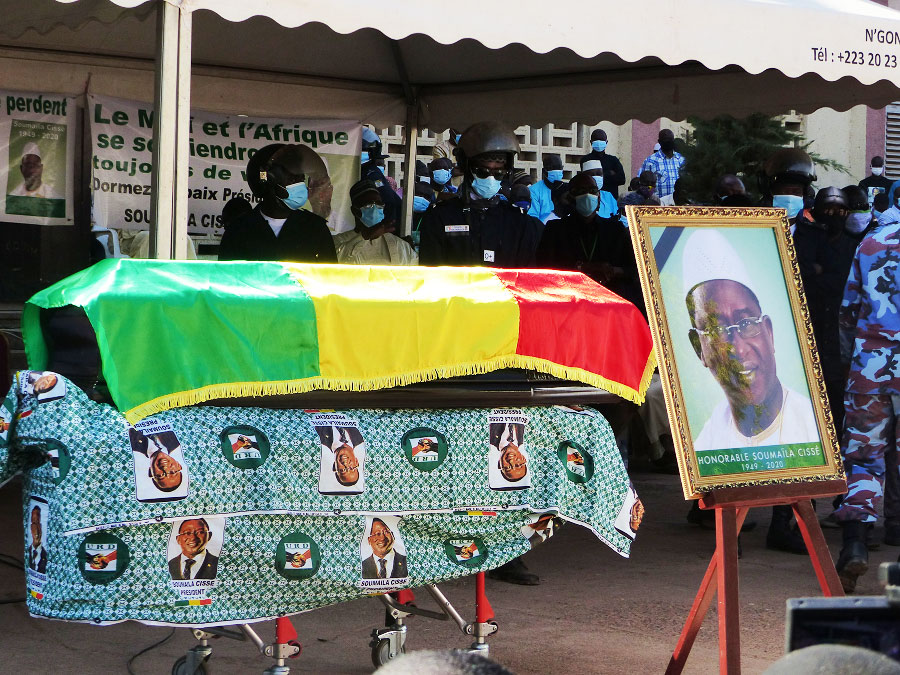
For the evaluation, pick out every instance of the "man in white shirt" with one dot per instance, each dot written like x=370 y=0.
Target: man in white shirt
x=32 y=169
x=194 y=562
x=734 y=339
x=372 y=241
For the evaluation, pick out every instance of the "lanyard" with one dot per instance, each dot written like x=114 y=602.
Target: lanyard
x=589 y=256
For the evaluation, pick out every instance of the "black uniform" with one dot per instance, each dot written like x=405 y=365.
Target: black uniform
x=393 y=205
x=824 y=260
x=613 y=172
x=304 y=237
x=488 y=232
x=572 y=244
x=880 y=183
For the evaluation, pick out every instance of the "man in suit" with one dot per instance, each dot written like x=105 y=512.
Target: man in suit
x=164 y=470
x=194 y=562
x=385 y=562
x=37 y=554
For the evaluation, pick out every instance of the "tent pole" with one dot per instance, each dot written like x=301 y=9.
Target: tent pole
x=168 y=220
x=409 y=172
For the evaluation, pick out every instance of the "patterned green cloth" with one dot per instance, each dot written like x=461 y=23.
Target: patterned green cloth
x=281 y=511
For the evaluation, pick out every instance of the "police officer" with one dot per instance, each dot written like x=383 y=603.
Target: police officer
x=277 y=229
x=784 y=180
x=476 y=226
x=372 y=169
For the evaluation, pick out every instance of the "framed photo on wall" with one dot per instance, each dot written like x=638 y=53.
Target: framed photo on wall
x=737 y=357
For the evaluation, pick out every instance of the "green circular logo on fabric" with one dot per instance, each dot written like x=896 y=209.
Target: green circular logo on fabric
x=244 y=446
x=297 y=556
x=578 y=462
x=60 y=459
x=102 y=557
x=466 y=551
x=425 y=448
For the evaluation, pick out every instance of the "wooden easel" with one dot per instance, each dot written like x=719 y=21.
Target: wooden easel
x=721 y=578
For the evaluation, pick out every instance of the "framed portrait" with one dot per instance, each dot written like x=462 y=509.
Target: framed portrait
x=737 y=357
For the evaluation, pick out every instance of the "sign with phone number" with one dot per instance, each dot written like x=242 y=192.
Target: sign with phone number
x=854 y=57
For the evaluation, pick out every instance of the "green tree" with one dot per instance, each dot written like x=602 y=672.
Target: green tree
x=725 y=145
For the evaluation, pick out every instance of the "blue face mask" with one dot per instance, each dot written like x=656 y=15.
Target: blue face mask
x=599 y=146
x=371 y=215
x=524 y=204
x=858 y=221
x=599 y=181
x=458 y=136
x=364 y=157
x=297 y=196
x=441 y=176
x=791 y=203
x=554 y=176
x=586 y=204
x=485 y=187
x=420 y=204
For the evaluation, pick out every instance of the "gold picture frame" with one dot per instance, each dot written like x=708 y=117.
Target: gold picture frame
x=740 y=416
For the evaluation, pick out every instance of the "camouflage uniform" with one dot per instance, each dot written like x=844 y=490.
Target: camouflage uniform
x=870 y=346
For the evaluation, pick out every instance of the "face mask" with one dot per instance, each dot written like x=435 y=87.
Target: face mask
x=420 y=204
x=364 y=157
x=858 y=221
x=586 y=204
x=877 y=170
x=485 y=187
x=791 y=203
x=524 y=204
x=458 y=136
x=599 y=146
x=371 y=215
x=599 y=181
x=297 y=196
x=441 y=176
x=424 y=179
x=554 y=176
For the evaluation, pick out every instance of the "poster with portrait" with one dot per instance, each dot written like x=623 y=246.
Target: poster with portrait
x=508 y=467
x=631 y=513
x=221 y=146
x=37 y=150
x=37 y=553
x=193 y=552
x=736 y=355
x=43 y=385
x=343 y=454
x=382 y=554
x=160 y=472
x=540 y=527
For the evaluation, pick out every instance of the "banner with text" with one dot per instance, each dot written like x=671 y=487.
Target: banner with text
x=37 y=147
x=220 y=145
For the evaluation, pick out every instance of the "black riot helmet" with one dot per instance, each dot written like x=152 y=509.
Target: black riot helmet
x=287 y=165
x=830 y=197
x=258 y=162
x=486 y=138
x=788 y=165
x=857 y=199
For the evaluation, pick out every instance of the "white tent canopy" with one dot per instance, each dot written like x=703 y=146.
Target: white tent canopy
x=525 y=63
x=428 y=63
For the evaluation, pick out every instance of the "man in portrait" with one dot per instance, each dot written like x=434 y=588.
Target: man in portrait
x=37 y=553
x=512 y=462
x=32 y=169
x=385 y=562
x=165 y=470
x=734 y=339
x=194 y=561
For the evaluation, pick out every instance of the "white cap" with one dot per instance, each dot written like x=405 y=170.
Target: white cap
x=31 y=149
x=709 y=256
x=592 y=164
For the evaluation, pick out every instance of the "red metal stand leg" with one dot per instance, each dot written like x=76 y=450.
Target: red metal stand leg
x=727 y=594
x=819 y=554
x=483 y=610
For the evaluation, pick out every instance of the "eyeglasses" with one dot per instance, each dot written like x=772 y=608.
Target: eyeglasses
x=746 y=328
x=199 y=534
x=484 y=172
x=166 y=474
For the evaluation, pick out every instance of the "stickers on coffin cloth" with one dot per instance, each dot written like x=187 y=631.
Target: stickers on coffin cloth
x=36 y=553
x=383 y=555
x=508 y=467
x=195 y=545
x=425 y=448
x=342 y=463
x=160 y=472
x=244 y=447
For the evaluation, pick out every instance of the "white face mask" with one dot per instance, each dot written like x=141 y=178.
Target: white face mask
x=877 y=170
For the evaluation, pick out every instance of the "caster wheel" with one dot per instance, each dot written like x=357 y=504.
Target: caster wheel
x=181 y=668
x=381 y=652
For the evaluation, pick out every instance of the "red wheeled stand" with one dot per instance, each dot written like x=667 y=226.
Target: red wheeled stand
x=721 y=578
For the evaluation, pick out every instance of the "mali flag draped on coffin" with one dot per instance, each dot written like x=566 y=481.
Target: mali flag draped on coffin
x=175 y=333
